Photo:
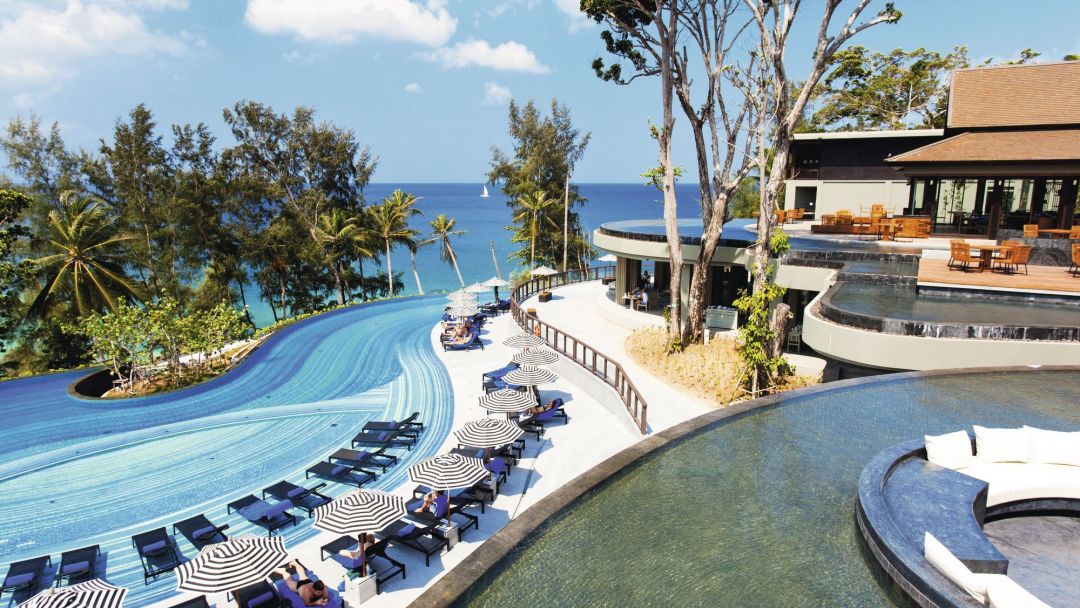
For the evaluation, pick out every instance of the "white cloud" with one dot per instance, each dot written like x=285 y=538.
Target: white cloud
x=572 y=9
x=342 y=21
x=508 y=56
x=40 y=46
x=295 y=56
x=495 y=95
x=414 y=87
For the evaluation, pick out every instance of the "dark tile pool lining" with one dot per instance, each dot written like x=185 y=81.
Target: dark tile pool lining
x=457 y=582
x=933 y=329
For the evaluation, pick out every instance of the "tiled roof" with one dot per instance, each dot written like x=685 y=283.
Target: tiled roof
x=1016 y=95
x=998 y=146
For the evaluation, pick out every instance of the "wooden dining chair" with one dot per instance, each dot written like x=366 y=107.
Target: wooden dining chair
x=1075 y=268
x=1031 y=231
x=962 y=256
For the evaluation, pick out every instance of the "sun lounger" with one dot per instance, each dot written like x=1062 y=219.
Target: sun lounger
x=420 y=537
x=261 y=595
x=375 y=558
x=302 y=498
x=200 y=531
x=271 y=516
x=363 y=458
x=78 y=565
x=195 y=602
x=497 y=374
x=445 y=509
x=341 y=473
x=25 y=575
x=292 y=599
x=537 y=423
x=382 y=439
x=471 y=341
x=157 y=552
x=409 y=427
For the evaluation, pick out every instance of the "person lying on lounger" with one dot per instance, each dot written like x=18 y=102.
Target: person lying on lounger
x=540 y=409
x=313 y=593
x=428 y=506
x=369 y=542
x=459 y=330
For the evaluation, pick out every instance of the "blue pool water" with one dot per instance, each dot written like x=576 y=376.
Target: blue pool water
x=75 y=472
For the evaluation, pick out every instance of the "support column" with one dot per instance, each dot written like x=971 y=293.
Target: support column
x=1067 y=206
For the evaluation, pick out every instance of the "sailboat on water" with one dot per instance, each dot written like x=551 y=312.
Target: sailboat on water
x=485 y=194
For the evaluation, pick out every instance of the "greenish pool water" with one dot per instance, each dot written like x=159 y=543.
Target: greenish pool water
x=759 y=511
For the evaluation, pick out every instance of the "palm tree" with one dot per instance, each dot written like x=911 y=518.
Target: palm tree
x=442 y=228
x=340 y=235
x=89 y=260
x=391 y=224
x=532 y=209
x=407 y=204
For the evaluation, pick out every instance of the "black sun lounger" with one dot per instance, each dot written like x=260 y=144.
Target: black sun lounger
x=409 y=427
x=416 y=536
x=385 y=568
x=25 y=575
x=302 y=498
x=382 y=439
x=201 y=531
x=78 y=565
x=362 y=458
x=195 y=602
x=341 y=473
x=264 y=514
x=157 y=552
x=261 y=595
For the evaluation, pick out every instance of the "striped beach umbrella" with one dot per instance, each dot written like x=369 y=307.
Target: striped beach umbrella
x=476 y=288
x=506 y=401
x=488 y=433
x=524 y=341
x=465 y=310
x=461 y=296
x=448 y=471
x=535 y=356
x=360 y=512
x=232 y=564
x=94 y=593
x=529 y=375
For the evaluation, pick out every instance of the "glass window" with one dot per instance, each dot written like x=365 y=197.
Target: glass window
x=956 y=211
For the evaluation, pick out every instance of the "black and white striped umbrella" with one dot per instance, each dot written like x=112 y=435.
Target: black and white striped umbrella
x=232 y=564
x=529 y=375
x=506 y=401
x=460 y=294
x=477 y=288
x=535 y=356
x=488 y=433
x=94 y=593
x=524 y=341
x=359 y=512
x=464 y=310
x=448 y=471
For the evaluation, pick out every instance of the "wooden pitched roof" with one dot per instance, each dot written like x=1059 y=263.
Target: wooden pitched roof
x=1015 y=96
x=998 y=147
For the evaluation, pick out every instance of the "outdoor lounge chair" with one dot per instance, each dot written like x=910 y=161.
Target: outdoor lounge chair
x=363 y=458
x=341 y=473
x=445 y=509
x=157 y=552
x=470 y=342
x=264 y=514
x=384 y=568
x=261 y=595
x=302 y=498
x=195 y=602
x=1075 y=268
x=382 y=439
x=25 y=575
x=200 y=531
x=404 y=428
x=416 y=536
x=292 y=599
x=77 y=565
x=497 y=374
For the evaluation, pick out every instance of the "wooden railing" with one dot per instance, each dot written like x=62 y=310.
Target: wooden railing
x=596 y=362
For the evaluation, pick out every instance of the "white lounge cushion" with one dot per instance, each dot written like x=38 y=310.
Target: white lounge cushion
x=953 y=569
x=1011 y=481
x=1054 y=447
x=1002 y=445
x=1004 y=592
x=951 y=450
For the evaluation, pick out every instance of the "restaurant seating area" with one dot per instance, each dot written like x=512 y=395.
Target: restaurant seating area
x=875 y=221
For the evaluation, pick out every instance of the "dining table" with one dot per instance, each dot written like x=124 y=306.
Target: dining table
x=1060 y=233
x=986 y=253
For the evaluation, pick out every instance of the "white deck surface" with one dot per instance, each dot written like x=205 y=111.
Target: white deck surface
x=566 y=451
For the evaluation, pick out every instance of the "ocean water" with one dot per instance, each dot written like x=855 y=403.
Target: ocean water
x=485 y=220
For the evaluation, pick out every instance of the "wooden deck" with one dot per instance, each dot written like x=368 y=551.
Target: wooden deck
x=1039 y=278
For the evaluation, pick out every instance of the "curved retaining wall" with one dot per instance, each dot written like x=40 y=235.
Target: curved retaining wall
x=458 y=581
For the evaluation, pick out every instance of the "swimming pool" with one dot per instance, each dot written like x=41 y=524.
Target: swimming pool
x=758 y=509
x=75 y=472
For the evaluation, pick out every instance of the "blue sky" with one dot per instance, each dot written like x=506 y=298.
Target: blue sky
x=424 y=82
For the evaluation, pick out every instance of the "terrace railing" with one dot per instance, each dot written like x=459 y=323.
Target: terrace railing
x=596 y=362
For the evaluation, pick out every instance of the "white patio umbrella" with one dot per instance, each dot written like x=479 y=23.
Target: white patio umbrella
x=488 y=433
x=543 y=271
x=608 y=258
x=360 y=512
x=448 y=471
x=524 y=341
x=495 y=283
x=506 y=401
x=535 y=356
x=476 y=288
x=459 y=296
x=231 y=565
x=529 y=375
x=94 y=593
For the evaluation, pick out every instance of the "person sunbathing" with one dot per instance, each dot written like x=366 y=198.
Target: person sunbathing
x=313 y=593
x=461 y=337
x=540 y=409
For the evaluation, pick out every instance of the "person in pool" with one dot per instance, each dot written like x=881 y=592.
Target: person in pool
x=313 y=593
